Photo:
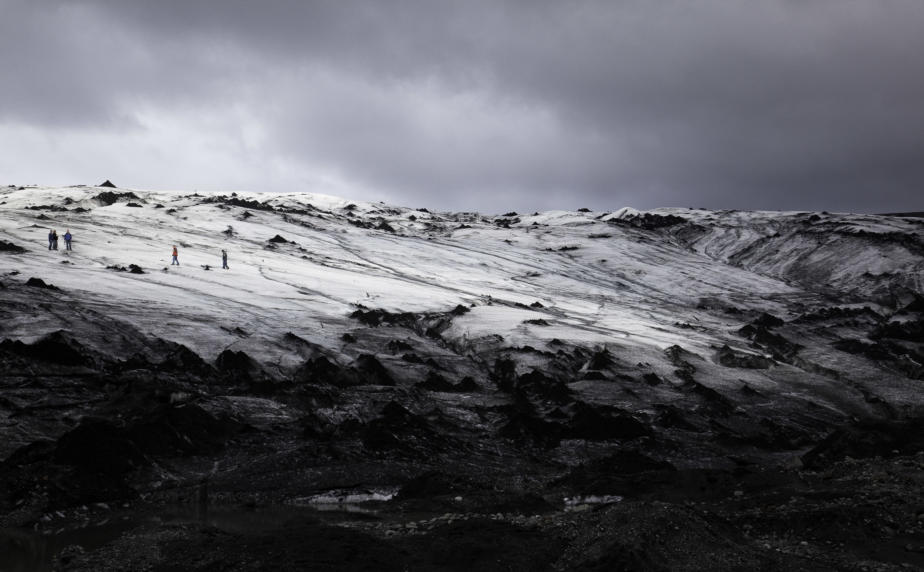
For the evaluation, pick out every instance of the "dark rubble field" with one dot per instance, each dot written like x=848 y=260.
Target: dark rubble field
x=790 y=440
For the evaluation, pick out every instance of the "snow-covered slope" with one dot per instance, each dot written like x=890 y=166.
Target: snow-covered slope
x=641 y=281
x=589 y=280
x=596 y=282
x=693 y=336
x=859 y=257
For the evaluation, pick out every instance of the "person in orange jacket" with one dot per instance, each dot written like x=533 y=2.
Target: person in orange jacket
x=175 y=260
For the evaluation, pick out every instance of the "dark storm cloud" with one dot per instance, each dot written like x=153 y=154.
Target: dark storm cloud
x=485 y=105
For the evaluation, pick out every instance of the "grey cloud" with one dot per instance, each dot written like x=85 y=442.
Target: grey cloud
x=497 y=105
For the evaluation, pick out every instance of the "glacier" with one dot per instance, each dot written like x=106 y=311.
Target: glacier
x=702 y=367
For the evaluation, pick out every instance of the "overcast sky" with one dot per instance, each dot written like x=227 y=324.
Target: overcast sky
x=474 y=105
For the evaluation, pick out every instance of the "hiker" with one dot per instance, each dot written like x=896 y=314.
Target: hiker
x=54 y=240
x=224 y=259
x=175 y=259
x=67 y=239
x=51 y=238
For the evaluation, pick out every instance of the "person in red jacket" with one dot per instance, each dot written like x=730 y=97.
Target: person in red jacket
x=175 y=260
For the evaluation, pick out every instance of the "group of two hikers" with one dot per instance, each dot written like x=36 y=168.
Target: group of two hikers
x=53 y=239
x=176 y=260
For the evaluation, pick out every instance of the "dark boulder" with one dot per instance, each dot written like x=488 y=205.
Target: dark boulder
x=602 y=359
x=780 y=348
x=650 y=221
x=180 y=359
x=731 y=358
x=39 y=283
x=713 y=402
x=132 y=268
x=874 y=351
x=396 y=346
x=57 y=347
x=537 y=385
x=909 y=330
x=767 y=321
x=237 y=364
x=383 y=225
x=371 y=371
x=107 y=198
x=459 y=310
x=377 y=317
x=680 y=357
x=602 y=422
x=868 y=439
x=322 y=371
x=9 y=247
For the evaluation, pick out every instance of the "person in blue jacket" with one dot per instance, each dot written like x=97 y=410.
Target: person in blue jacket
x=224 y=259
x=67 y=239
x=51 y=238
